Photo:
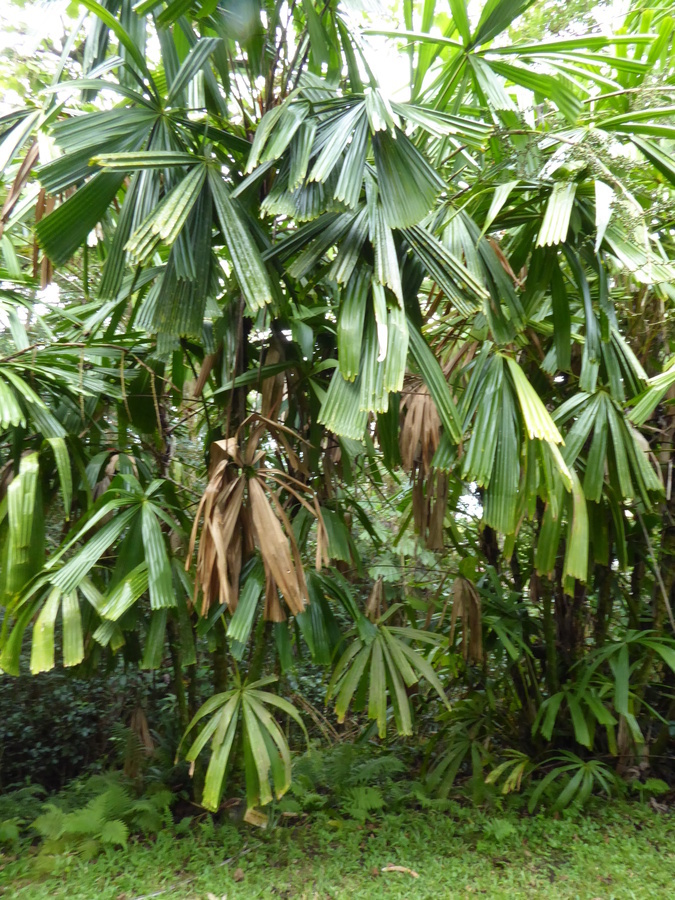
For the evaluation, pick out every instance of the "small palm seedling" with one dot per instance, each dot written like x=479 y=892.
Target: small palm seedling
x=604 y=689
x=464 y=740
x=576 y=779
x=379 y=667
x=243 y=713
x=515 y=767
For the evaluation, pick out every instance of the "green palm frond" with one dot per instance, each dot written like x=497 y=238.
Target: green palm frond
x=245 y=710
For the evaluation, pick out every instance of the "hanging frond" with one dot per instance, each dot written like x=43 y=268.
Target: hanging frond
x=466 y=607
x=242 y=510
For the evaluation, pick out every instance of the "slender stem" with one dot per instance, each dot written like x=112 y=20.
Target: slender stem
x=657 y=573
x=262 y=633
x=220 y=659
x=178 y=675
x=603 y=580
x=85 y=270
x=552 y=681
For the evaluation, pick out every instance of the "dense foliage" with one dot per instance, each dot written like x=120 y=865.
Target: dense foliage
x=348 y=391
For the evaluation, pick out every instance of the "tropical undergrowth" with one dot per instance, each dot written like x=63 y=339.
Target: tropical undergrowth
x=347 y=418
x=351 y=783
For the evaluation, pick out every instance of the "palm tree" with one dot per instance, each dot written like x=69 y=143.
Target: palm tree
x=242 y=221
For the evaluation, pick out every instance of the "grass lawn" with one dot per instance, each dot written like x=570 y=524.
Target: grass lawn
x=616 y=851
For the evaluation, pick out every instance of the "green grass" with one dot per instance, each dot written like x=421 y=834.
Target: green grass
x=617 y=851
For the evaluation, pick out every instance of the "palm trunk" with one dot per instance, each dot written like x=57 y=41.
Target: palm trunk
x=603 y=583
x=262 y=633
x=178 y=675
x=542 y=589
x=569 y=619
x=220 y=661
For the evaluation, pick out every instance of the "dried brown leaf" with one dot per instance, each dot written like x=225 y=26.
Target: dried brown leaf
x=466 y=606
x=437 y=500
x=206 y=368
x=420 y=431
x=19 y=183
x=274 y=611
x=403 y=869
x=376 y=603
x=275 y=549
x=272 y=387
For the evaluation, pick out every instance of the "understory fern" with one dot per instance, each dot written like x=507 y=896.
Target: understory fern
x=351 y=781
x=106 y=819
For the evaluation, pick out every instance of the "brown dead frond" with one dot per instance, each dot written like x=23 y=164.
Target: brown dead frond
x=242 y=509
x=429 y=501
x=466 y=606
x=420 y=427
x=506 y=265
x=376 y=603
x=44 y=206
x=274 y=386
x=109 y=471
x=139 y=744
x=205 y=370
x=337 y=465
x=419 y=437
x=19 y=183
